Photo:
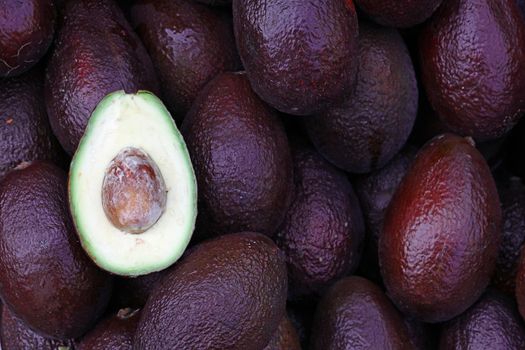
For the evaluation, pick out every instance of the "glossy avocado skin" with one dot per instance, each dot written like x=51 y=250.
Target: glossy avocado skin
x=15 y=335
x=356 y=314
x=300 y=55
x=26 y=32
x=443 y=223
x=322 y=234
x=241 y=158
x=375 y=190
x=472 y=55
x=113 y=333
x=25 y=133
x=46 y=279
x=374 y=122
x=492 y=323
x=399 y=14
x=91 y=59
x=134 y=292
x=189 y=45
x=512 y=197
x=236 y=287
x=285 y=338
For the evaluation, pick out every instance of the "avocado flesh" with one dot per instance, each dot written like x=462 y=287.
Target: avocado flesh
x=141 y=121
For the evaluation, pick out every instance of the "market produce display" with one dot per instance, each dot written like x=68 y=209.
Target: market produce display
x=262 y=175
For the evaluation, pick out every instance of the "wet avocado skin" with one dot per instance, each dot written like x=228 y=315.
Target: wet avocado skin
x=25 y=133
x=300 y=55
x=356 y=314
x=241 y=158
x=26 y=32
x=91 y=59
x=46 y=279
x=227 y=293
x=443 y=223
x=189 y=45
x=492 y=323
x=472 y=55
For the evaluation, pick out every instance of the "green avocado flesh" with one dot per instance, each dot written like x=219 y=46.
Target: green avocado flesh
x=140 y=243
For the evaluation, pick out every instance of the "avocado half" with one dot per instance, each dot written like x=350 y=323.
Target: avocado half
x=132 y=188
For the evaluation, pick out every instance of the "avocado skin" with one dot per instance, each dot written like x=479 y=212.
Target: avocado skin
x=322 y=234
x=91 y=59
x=26 y=32
x=300 y=55
x=355 y=314
x=134 y=292
x=492 y=323
x=25 y=133
x=285 y=338
x=443 y=223
x=375 y=191
x=46 y=279
x=512 y=196
x=241 y=158
x=473 y=90
x=374 y=122
x=113 y=333
x=236 y=286
x=399 y=14
x=189 y=45
x=15 y=335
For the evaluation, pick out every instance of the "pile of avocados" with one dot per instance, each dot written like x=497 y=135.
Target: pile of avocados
x=262 y=174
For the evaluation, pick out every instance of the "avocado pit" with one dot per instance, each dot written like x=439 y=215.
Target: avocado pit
x=133 y=191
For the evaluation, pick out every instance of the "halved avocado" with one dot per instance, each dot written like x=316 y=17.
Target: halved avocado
x=132 y=189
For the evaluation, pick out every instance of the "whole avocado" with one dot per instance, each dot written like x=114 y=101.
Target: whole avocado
x=472 y=55
x=46 y=279
x=443 y=223
x=92 y=58
x=227 y=293
x=400 y=13
x=300 y=55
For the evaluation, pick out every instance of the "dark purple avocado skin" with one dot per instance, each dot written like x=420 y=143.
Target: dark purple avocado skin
x=492 y=323
x=25 y=133
x=189 y=44
x=112 y=333
x=400 y=13
x=300 y=55
x=241 y=158
x=26 y=32
x=46 y=279
x=15 y=335
x=91 y=59
x=227 y=293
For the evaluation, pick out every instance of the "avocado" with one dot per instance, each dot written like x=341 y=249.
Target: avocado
x=355 y=314
x=15 y=335
x=323 y=231
x=227 y=293
x=374 y=122
x=375 y=190
x=512 y=197
x=300 y=55
x=399 y=14
x=91 y=59
x=189 y=44
x=134 y=292
x=26 y=32
x=285 y=337
x=492 y=323
x=113 y=333
x=132 y=189
x=241 y=157
x=443 y=223
x=473 y=90
x=25 y=133
x=45 y=278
